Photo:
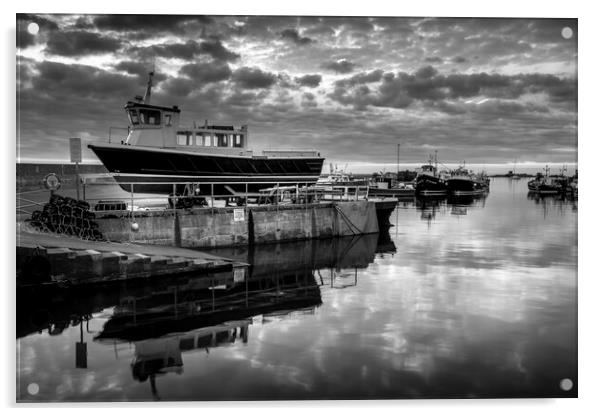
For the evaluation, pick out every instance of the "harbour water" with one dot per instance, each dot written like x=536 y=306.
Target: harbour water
x=464 y=298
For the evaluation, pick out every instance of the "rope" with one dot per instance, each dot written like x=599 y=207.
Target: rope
x=348 y=221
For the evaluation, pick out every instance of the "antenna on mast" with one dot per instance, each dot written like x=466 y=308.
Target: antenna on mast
x=149 y=85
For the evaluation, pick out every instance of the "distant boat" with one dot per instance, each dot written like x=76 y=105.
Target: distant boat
x=386 y=186
x=515 y=176
x=465 y=182
x=544 y=183
x=429 y=180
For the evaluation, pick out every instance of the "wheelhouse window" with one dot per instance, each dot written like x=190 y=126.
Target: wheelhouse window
x=198 y=139
x=185 y=138
x=133 y=115
x=152 y=117
x=207 y=140
x=167 y=118
x=238 y=140
x=222 y=140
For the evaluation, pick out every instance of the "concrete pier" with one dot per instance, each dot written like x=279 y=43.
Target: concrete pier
x=47 y=257
x=231 y=226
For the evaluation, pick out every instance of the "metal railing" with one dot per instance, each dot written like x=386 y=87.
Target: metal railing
x=275 y=194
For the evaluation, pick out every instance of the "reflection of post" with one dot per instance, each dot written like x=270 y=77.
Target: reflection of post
x=81 y=349
x=154 y=387
x=244 y=333
x=77 y=180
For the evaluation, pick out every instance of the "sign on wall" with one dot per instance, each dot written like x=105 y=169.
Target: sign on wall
x=75 y=149
x=239 y=214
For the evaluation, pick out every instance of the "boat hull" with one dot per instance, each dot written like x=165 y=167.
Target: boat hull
x=464 y=186
x=430 y=185
x=146 y=170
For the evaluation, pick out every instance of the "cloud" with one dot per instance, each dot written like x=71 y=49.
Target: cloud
x=253 y=78
x=308 y=100
x=188 y=50
x=401 y=89
x=64 y=80
x=459 y=59
x=433 y=59
x=141 y=70
x=312 y=80
x=147 y=22
x=293 y=35
x=206 y=73
x=342 y=66
x=218 y=51
x=79 y=43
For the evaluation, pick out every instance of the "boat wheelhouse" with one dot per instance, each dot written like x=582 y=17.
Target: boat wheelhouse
x=161 y=156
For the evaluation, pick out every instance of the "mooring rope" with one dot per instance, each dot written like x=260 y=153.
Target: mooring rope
x=348 y=221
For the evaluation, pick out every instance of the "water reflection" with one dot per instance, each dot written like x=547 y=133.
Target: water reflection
x=430 y=206
x=165 y=319
x=479 y=303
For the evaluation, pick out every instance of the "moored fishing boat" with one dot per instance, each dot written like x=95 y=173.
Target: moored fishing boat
x=430 y=180
x=159 y=153
x=465 y=182
x=544 y=184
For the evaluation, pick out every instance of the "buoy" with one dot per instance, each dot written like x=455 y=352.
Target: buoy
x=135 y=226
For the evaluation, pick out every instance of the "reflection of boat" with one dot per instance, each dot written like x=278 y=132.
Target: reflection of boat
x=465 y=199
x=272 y=283
x=465 y=182
x=429 y=180
x=158 y=149
x=458 y=210
x=385 y=244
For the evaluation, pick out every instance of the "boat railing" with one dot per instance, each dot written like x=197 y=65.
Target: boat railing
x=281 y=194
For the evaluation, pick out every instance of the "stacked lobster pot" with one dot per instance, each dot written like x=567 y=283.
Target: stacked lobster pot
x=65 y=215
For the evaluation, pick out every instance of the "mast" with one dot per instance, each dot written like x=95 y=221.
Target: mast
x=149 y=86
x=397 y=161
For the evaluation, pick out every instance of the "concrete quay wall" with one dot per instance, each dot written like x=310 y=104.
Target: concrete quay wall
x=225 y=227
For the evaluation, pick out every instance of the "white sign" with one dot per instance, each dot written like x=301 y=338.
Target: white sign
x=239 y=274
x=239 y=214
x=75 y=148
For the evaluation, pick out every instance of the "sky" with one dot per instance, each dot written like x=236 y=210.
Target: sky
x=481 y=90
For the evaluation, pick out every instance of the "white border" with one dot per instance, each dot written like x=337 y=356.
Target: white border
x=590 y=96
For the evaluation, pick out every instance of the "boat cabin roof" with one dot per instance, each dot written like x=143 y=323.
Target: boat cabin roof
x=132 y=104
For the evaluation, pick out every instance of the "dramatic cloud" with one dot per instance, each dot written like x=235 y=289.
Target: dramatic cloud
x=206 y=73
x=77 y=43
x=309 y=80
x=484 y=90
x=216 y=50
x=293 y=35
x=188 y=50
x=146 y=22
x=342 y=66
x=252 y=78
x=401 y=89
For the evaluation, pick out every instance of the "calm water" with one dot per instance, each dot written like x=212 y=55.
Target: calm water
x=467 y=298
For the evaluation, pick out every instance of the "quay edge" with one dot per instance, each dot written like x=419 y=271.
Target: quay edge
x=239 y=226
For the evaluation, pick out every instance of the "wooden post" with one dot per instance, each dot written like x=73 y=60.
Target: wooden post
x=77 y=180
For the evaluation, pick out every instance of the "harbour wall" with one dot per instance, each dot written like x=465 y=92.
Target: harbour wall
x=225 y=227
